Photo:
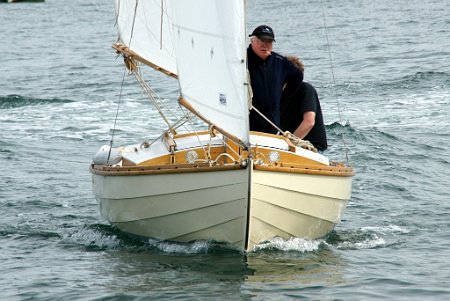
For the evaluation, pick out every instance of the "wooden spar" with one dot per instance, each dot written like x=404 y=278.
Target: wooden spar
x=121 y=48
x=188 y=106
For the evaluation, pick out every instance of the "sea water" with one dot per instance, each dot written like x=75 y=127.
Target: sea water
x=382 y=70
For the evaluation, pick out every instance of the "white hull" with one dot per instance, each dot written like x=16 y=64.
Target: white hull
x=177 y=207
x=214 y=205
x=240 y=205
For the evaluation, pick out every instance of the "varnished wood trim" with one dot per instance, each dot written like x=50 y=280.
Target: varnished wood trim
x=309 y=169
x=158 y=169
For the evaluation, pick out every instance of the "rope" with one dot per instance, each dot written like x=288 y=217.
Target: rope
x=267 y=119
x=294 y=139
x=152 y=96
x=177 y=124
x=300 y=142
x=225 y=155
x=334 y=80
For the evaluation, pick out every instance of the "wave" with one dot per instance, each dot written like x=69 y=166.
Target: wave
x=367 y=237
x=381 y=149
x=25 y=231
x=430 y=79
x=293 y=244
x=367 y=139
x=370 y=136
x=16 y=101
x=196 y=247
x=338 y=128
x=97 y=237
x=104 y=237
x=419 y=82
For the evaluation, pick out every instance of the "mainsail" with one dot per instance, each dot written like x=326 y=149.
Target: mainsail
x=201 y=41
x=211 y=60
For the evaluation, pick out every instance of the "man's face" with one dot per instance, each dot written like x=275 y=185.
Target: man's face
x=262 y=47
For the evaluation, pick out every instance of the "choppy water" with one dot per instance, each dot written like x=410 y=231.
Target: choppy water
x=59 y=85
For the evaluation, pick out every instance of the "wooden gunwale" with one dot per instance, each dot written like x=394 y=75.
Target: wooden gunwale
x=158 y=169
x=204 y=167
x=309 y=169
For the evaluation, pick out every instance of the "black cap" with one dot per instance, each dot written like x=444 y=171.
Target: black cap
x=264 y=32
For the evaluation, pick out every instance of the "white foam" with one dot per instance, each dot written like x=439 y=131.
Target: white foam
x=292 y=244
x=196 y=247
x=369 y=243
x=385 y=229
x=93 y=238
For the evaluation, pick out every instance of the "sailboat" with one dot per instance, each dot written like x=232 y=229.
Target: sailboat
x=222 y=182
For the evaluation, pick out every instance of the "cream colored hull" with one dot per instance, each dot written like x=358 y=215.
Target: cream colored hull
x=179 y=207
x=214 y=205
x=295 y=205
x=157 y=194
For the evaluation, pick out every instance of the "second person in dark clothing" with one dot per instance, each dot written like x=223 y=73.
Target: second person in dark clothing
x=301 y=113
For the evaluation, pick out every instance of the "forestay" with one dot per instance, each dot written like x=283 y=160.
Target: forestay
x=210 y=46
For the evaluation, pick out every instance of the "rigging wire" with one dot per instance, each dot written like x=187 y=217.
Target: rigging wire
x=334 y=80
x=121 y=86
x=117 y=114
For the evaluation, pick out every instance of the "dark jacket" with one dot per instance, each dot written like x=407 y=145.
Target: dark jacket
x=267 y=79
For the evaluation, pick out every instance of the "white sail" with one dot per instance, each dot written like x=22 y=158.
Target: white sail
x=145 y=28
x=210 y=46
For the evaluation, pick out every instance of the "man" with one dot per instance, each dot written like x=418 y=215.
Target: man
x=269 y=72
x=301 y=113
